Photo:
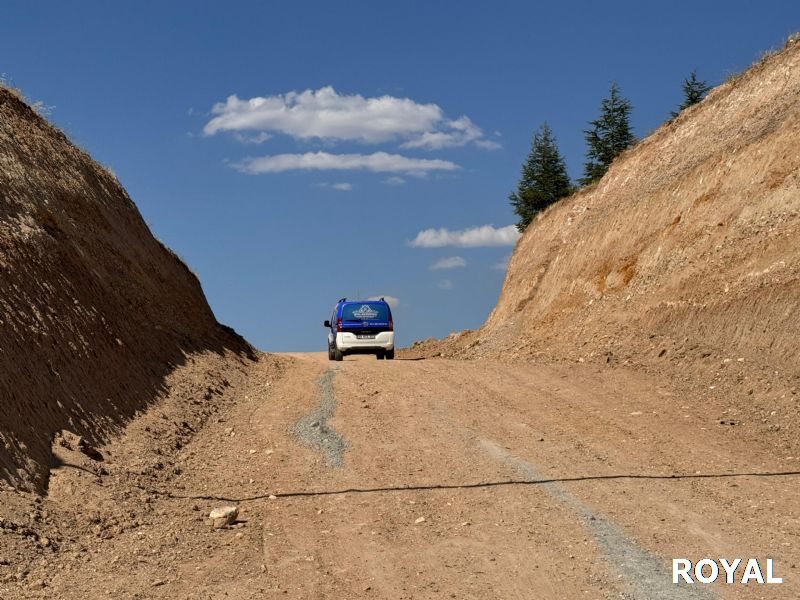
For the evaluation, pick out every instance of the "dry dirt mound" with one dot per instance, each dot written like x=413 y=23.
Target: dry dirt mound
x=94 y=311
x=685 y=258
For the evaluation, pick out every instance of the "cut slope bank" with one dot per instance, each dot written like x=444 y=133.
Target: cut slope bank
x=685 y=258
x=94 y=311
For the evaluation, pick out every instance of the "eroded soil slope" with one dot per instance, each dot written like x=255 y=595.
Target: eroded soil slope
x=683 y=260
x=94 y=311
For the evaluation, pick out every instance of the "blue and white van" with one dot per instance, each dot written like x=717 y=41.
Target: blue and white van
x=361 y=327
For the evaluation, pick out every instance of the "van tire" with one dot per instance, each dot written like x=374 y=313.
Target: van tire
x=337 y=355
x=379 y=355
x=330 y=352
x=389 y=355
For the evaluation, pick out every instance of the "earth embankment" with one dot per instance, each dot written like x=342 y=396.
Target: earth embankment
x=94 y=311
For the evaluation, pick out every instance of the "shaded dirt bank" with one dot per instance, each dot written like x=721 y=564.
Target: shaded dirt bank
x=95 y=313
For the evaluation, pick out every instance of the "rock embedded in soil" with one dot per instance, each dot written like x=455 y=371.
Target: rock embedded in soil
x=223 y=516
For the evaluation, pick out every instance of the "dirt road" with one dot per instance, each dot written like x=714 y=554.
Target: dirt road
x=421 y=479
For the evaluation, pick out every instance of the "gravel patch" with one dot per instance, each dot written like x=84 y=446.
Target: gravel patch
x=314 y=430
x=649 y=576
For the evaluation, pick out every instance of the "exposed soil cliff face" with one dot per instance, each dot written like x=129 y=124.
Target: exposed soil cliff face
x=685 y=258
x=94 y=311
x=693 y=236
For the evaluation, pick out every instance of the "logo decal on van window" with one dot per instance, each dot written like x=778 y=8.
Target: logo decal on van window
x=365 y=313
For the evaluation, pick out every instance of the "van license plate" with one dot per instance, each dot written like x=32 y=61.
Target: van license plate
x=365 y=336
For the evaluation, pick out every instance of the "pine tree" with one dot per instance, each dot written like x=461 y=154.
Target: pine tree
x=694 y=90
x=544 y=178
x=608 y=136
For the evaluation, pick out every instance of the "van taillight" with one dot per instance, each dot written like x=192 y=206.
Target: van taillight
x=391 y=324
x=338 y=324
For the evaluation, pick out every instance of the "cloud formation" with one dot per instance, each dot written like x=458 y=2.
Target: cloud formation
x=451 y=262
x=325 y=114
x=380 y=162
x=485 y=235
x=255 y=138
x=459 y=132
x=502 y=264
x=390 y=300
x=342 y=186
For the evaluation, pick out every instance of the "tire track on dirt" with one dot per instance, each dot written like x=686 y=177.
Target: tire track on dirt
x=314 y=429
x=649 y=577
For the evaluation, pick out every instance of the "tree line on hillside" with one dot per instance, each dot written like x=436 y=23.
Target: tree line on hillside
x=544 y=178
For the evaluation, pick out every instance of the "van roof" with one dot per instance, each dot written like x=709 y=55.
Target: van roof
x=346 y=301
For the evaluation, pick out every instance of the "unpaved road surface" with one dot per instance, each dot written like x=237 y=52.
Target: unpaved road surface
x=420 y=479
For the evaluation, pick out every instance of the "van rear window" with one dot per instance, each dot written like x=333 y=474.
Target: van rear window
x=365 y=312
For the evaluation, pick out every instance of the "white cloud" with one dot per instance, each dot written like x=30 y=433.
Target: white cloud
x=394 y=180
x=342 y=186
x=445 y=284
x=459 y=132
x=502 y=264
x=255 y=138
x=323 y=161
x=451 y=262
x=390 y=300
x=488 y=144
x=325 y=114
x=485 y=235
x=43 y=109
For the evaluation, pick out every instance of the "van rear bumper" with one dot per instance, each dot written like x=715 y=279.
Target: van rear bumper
x=349 y=342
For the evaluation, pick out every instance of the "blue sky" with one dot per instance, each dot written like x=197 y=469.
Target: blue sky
x=426 y=109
